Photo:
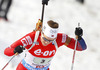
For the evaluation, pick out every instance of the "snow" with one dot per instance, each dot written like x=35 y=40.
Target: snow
x=24 y=15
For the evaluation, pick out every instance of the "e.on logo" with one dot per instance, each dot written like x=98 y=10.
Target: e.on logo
x=45 y=53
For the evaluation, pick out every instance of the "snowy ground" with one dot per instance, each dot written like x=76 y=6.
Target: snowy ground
x=24 y=14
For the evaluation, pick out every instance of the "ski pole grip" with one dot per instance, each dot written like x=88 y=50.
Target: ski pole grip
x=76 y=37
x=16 y=53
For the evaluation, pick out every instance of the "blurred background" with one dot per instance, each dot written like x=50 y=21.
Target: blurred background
x=24 y=14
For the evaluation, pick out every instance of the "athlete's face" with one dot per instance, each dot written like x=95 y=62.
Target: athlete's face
x=46 y=40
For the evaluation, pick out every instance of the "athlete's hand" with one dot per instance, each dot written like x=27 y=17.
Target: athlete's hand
x=19 y=49
x=39 y=25
x=79 y=32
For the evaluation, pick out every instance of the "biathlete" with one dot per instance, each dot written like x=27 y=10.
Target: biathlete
x=39 y=56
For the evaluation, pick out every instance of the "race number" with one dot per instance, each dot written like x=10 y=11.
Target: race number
x=41 y=61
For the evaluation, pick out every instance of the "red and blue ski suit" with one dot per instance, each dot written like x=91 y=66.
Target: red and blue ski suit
x=39 y=57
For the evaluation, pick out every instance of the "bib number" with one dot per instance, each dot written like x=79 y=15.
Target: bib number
x=41 y=61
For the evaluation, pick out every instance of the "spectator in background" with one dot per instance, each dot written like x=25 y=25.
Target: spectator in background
x=4 y=8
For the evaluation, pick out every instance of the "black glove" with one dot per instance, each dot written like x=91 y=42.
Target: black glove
x=45 y=2
x=19 y=49
x=79 y=32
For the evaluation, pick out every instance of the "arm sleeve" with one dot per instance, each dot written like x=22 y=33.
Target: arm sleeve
x=61 y=39
x=81 y=45
x=26 y=41
x=9 y=51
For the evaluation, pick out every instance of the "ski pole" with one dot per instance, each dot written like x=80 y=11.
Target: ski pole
x=9 y=61
x=74 y=50
x=44 y=2
x=74 y=55
x=40 y=21
x=43 y=7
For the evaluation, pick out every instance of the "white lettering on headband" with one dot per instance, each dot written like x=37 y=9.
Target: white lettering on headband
x=50 y=32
